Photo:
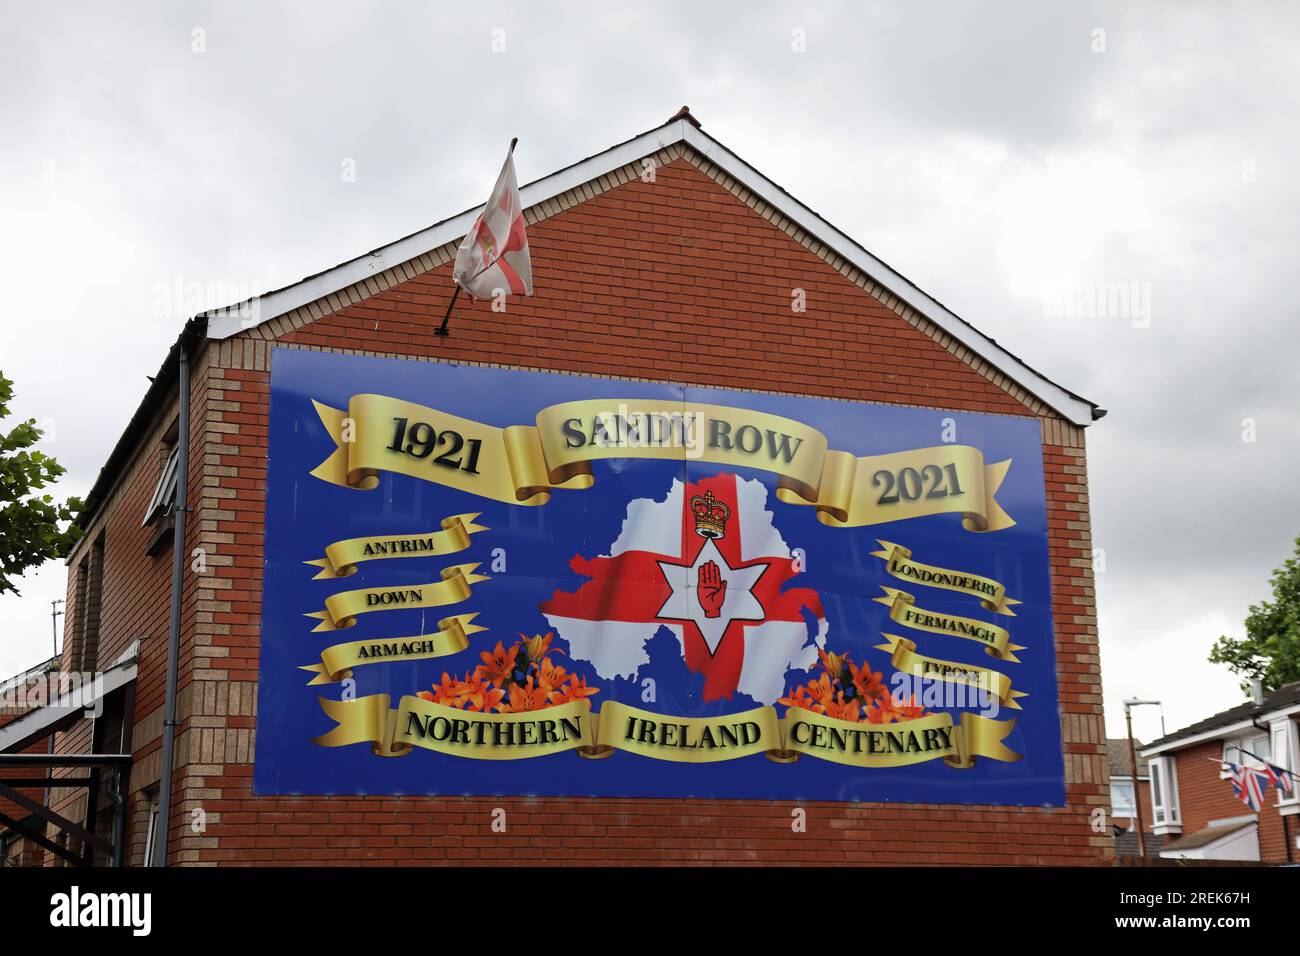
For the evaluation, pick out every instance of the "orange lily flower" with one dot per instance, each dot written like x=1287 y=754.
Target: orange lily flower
x=821 y=689
x=536 y=647
x=525 y=697
x=842 y=709
x=868 y=683
x=576 y=689
x=549 y=676
x=877 y=713
x=909 y=711
x=486 y=700
x=498 y=664
x=449 y=691
x=833 y=663
x=800 y=698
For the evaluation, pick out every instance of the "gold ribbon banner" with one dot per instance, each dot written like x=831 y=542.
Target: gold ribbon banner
x=900 y=744
x=898 y=562
x=907 y=484
x=523 y=464
x=903 y=610
x=342 y=609
x=686 y=739
x=342 y=557
x=904 y=658
x=415 y=722
x=337 y=662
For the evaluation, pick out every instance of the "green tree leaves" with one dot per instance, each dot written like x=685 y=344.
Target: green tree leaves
x=30 y=531
x=1270 y=651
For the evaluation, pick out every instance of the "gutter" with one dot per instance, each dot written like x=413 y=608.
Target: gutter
x=155 y=400
x=1174 y=742
x=181 y=511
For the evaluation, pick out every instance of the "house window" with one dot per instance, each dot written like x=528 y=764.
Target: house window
x=1284 y=749
x=1248 y=750
x=1164 y=795
x=1121 y=797
x=160 y=513
x=152 y=832
x=83 y=648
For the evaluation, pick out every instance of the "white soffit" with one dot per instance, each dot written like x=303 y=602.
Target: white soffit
x=228 y=321
x=77 y=701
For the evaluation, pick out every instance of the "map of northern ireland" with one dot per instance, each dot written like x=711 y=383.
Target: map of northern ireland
x=707 y=564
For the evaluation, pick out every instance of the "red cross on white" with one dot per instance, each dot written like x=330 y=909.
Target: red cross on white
x=493 y=258
x=721 y=596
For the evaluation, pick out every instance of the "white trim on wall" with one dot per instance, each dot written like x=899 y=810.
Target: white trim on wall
x=233 y=319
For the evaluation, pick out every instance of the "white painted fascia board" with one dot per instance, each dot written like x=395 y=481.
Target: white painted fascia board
x=1184 y=742
x=1075 y=409
x=225 y=322
x=37 y=720
x=1226 y=731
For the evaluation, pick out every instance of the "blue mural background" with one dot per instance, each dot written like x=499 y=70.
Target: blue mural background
x=304 y=514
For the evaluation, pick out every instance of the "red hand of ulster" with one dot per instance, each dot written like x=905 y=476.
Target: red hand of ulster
x=712 y=589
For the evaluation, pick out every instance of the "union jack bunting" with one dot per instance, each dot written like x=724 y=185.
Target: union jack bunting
x=1279 y=778
x=1248 y=785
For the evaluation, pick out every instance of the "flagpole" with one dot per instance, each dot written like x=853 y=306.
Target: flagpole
x=442 y=329
x=1137 y=784
x=1290 y=773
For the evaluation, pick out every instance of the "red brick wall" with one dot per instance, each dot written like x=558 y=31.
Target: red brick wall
x=29 y=854
x=135 y=605
x=672 y=280
x=1204 y=796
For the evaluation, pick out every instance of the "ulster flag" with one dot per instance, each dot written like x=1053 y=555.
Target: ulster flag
x=707 y=564
x=493 y=259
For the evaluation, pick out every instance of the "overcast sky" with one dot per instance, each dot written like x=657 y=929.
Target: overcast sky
x=999 y=155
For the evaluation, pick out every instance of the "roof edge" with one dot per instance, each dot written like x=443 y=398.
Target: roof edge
x=233 y=319
x=155 y=398
x=1286 y=705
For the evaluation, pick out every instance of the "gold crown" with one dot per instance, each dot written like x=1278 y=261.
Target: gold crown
x=710 y=515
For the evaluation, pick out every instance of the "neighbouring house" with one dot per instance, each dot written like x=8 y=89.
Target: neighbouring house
x=1124 y=795
x=1192 y=799
x=19 y=696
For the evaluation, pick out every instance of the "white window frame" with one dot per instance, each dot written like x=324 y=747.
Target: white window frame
x=151 y=831
x=164 y=492
x=1255 y=741
x=1167 y=817
x=1117 y=811
x=1285 y=753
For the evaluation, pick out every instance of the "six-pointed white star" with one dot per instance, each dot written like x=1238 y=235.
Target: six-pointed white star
x=739 y=603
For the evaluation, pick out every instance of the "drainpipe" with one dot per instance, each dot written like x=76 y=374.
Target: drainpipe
x=119 y=815
x=174 y=629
